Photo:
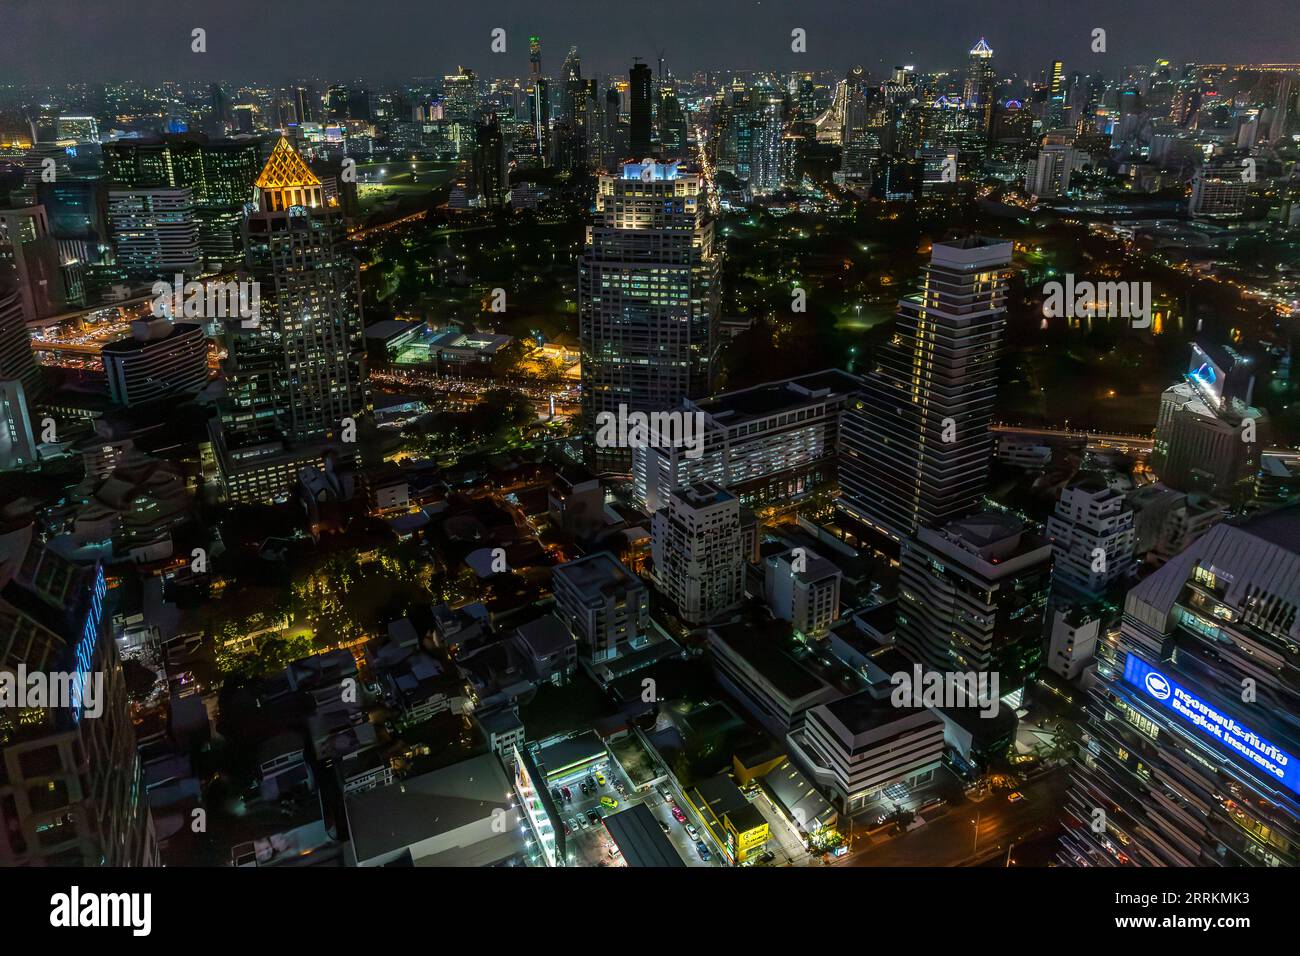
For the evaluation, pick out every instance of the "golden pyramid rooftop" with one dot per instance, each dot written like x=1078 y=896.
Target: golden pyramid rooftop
x=285 y=169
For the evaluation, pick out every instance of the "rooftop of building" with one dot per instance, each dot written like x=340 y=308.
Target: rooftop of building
x=391 y=818
x=745 y=405
x=763 y=650
x=637 y=833
x=863 y=713
x=598 y=573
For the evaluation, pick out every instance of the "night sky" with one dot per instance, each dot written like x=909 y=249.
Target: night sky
x=275 y=40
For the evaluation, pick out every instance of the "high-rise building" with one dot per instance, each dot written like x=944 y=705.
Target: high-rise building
x=605 y=605
x=639 y=84
x=916 y=439
x=648 y=292
x=770 y=444
x=1193 y=752
x=1092 y=539
x=219 y=173
x=460 y=103
x=490 y=179
x=1218 y=191
x=978 y=92
x=154 y=230
x=698 y=551
x=71 y=785
x=971 y=597
x=803 y=588
x=17 y=438
x=16 y=359
x=1208 y=436
x=1047 y=175
x=29 y=261
x=159 y=359
x=298 y=369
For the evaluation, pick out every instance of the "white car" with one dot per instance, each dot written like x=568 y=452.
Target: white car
x=693 y=833
x=667 y=795
x=582 y=821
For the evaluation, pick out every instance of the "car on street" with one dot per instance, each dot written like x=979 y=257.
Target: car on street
x=609 y=803
x=666 y=794
x=600 y=779
x=767 y=857
x=1015 y=796
x=702 y=850
x=582 y=821
x=678 y=815
x=568 y=795
x=586 y=790
x=555 y=795
x=665 y=827
x=693 y=833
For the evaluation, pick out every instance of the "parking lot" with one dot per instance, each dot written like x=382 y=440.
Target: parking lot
x=591 y=845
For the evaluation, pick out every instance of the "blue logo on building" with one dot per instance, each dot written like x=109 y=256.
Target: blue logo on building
x=1242 y=742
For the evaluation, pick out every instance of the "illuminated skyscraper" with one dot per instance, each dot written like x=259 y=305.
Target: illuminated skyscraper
x=1192 y=754
x=460 y=102
x=978 y=92
x=298 y=370
x=648 y=291
x=71 y=784
x=916 y=440
x=639 y=80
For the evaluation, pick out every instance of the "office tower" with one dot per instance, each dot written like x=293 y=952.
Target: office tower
x=159 y=359
x=639 y=83
x=17 y=439
x=1047 y=176
x=615 y=130
x=1218 y=191
x=490 y=177
x=768 y=445
x=219 y=172
x=759 y=154
x=978 y=91
x=803 y=588
x=916 y=440
x=1282 y=108
x=857 y=747
x=306 y=105
x=971 y=597
x=605 y=605
x=698 y=551
x=572 y=87
x=154 y=231
x=29 y=261
x=220 y=104
x=71 y=787
x=539 y=112
x=299 y=370
x=336 y=103
x=1092 y=540
x=80 y=129
x=672 y=125
x=1193 y=755
x=648 y=292
x=1055 y=85
x=16 y=359
x=1208 y=436
x=460 y=103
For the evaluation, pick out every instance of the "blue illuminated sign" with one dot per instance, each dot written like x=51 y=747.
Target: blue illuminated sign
x=1224 y=730
x=86 y=647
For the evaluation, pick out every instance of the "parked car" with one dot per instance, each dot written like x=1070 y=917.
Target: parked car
x=702 y=850
x=582 y=821
x=586 y=790
x=678 y=815
x=555 y=795
x=691 y=832
x=594 y=817
x=665 y=827
x=609 y=803
x=666 y=794
x=567 y=829
x=568 y=795
x=1015 y=796
x=600 y=779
